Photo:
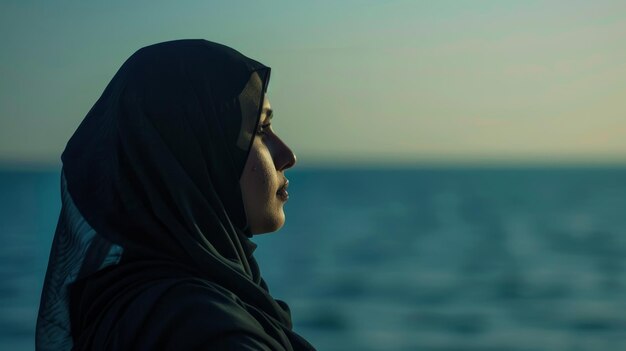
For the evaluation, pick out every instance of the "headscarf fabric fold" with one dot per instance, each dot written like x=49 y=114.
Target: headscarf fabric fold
x=152 y=247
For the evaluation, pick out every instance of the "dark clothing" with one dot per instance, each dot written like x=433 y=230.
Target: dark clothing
x=152 y=248
x=169 y=309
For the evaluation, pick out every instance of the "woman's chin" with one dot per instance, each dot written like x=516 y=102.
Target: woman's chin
x=270 y=225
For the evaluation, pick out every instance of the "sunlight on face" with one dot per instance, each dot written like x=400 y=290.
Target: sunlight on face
x=263 y=183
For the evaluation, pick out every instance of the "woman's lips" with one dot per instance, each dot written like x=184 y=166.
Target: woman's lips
x=282 y=192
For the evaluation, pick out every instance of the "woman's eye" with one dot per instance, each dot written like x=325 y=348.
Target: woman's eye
x=262 y=129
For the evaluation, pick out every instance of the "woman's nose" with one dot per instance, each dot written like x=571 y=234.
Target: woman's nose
x=285 y=158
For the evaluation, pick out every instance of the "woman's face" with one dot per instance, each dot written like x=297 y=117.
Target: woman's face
x=263 y=180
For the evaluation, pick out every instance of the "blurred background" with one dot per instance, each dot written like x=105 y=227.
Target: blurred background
x=461 y=182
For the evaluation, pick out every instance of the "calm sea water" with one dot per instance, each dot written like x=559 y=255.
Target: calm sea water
x=448 y=259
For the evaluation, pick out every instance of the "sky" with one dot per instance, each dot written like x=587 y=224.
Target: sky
x=353 y=82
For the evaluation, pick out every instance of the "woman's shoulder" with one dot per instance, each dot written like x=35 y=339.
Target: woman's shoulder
x=186 y=313
x=193 y=297
x=156 y=307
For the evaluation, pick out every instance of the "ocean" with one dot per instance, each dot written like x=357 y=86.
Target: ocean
x=402 y=259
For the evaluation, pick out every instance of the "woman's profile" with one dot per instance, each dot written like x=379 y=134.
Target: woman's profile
x=163 y=184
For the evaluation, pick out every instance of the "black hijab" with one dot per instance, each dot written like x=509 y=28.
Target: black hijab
x=152 y=247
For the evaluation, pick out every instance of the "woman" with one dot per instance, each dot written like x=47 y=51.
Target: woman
x=168 y=176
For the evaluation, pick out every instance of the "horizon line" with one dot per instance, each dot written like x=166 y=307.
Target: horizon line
x=26 y=166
